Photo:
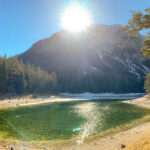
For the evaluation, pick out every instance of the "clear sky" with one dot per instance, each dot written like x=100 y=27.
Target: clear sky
x=24 y=22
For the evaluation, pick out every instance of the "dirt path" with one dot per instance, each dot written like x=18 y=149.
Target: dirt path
x=131 y=139
x=143 y=101
x=124 y=140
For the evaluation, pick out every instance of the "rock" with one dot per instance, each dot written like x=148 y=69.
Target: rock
x=123 y=146
x=11 y=148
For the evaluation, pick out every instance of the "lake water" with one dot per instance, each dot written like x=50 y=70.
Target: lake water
x=64 y=120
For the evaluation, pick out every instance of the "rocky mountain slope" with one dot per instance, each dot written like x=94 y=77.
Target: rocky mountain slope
x=102 y=59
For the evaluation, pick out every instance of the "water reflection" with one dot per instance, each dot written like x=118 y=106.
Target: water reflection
x=89 y=111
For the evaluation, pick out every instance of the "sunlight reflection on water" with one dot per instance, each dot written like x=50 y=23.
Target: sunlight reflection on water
x=89 y=112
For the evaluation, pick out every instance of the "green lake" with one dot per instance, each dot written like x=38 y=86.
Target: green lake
x=65 y=120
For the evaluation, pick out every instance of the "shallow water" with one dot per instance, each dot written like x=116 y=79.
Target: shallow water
x=64 y=120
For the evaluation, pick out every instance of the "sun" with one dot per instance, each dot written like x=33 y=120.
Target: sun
x=76 y=19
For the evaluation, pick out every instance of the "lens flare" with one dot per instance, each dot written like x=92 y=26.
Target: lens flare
x=76 y=19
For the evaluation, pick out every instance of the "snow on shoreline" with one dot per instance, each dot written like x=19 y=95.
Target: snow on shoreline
x=89 y=96
x=67 y=97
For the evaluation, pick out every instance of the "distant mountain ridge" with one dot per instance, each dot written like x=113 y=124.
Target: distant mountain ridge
x=103 y=59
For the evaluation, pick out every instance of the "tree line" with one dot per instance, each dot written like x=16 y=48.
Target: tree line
x=138 y=22
x=19 y=78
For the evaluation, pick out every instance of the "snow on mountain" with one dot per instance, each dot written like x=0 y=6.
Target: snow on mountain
x=102 y=59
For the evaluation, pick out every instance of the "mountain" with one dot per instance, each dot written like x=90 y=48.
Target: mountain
x=102 y=59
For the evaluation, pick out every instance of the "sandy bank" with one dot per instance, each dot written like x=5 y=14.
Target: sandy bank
x=143 y=101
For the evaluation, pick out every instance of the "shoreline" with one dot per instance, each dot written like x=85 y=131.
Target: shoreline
x=142 y=101
x=129 y=138
x=64 y=97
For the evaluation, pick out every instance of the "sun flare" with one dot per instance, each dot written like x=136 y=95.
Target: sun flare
x=76 y=19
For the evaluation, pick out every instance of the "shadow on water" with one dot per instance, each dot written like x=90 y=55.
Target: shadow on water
x=65 y=120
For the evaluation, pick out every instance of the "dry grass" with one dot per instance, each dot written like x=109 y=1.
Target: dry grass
x=142 y=144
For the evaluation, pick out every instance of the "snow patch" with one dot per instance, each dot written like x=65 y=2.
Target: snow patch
x=129 y=65
x=146 y=68
x=100 y=55
x=133 y=70
x=120 y=60
x=101 y=96
x=67 y=97
x=85 y=72
x=94 y=68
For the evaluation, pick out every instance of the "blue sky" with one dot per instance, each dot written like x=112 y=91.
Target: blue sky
x=24 y=22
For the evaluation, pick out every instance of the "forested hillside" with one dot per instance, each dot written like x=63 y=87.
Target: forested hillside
x=103 y=59
x=18 y=78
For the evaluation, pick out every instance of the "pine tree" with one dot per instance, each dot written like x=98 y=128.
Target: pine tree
x=147 y=83
x=19 y=78
x=138 y=22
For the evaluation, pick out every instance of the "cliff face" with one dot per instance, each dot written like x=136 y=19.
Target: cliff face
x=103 y=59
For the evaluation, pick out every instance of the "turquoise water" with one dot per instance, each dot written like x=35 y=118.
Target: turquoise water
x=64 y=120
